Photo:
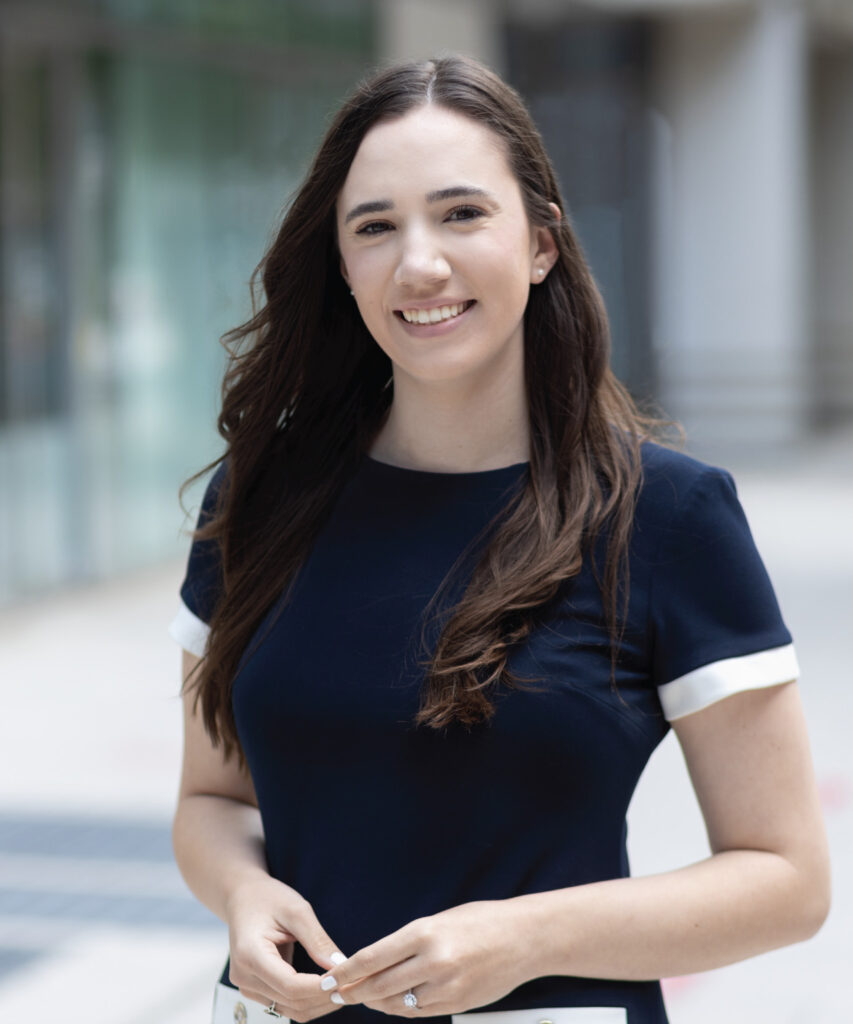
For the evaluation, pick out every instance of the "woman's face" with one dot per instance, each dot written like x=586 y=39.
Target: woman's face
x=436 y=245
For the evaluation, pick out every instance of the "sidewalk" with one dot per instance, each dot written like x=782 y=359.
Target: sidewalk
x=96 y=925
x=94 y=916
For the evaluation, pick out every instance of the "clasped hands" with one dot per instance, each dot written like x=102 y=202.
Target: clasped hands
x=456 y=960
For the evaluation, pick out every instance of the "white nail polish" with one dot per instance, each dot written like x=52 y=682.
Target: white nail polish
x=337 y=958
x=328 y=983
x=336 y=997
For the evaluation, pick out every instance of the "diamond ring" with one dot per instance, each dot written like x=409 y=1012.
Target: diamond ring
x=410 y=999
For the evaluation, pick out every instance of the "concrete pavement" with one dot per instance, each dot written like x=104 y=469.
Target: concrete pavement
x=95 y=922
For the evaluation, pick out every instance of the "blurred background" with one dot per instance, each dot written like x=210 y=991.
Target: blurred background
x=147 y=150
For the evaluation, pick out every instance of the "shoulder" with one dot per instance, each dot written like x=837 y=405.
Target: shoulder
x=669 y=476
x=678 y=490
x=715 y=622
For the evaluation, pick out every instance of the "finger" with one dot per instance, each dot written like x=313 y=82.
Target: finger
x=247 y=992
x=387 y=984
x=262 y=970
x=300 y=993
x=318 y=1007
x=429 y=1002
x=314 y=938
x=378 y=956
x=259 y=966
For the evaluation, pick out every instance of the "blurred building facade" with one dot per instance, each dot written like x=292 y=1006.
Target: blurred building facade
x=705 y=149
x=146 y=150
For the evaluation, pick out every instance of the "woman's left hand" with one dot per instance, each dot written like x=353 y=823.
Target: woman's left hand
x=461 y=958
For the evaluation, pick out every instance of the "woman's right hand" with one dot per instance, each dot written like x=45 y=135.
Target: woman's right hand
x=265 y=917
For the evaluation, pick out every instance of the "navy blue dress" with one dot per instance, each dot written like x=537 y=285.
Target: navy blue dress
x=532 y=801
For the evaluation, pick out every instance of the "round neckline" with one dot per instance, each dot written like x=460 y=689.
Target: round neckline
x=476 y=473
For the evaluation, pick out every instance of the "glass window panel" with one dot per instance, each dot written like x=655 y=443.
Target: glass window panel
x=146 y=186
x=31 y=378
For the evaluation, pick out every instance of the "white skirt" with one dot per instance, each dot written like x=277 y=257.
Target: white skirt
x=229 y=1007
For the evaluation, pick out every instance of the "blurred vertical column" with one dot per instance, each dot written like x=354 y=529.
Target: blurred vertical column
x=732 y=297
x=584 y=75
x=38 y=94
x=832 y=211
x=419 y=29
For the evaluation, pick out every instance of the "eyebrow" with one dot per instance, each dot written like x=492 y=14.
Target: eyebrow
x=455 y=192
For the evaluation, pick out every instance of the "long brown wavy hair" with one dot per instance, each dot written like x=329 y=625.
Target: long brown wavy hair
x=307 y=389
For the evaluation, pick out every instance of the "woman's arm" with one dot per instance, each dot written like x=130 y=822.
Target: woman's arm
x=217 y=835
x=767 y=883
x=219 y=847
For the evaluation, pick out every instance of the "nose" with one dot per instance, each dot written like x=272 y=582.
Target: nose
x=422 y=263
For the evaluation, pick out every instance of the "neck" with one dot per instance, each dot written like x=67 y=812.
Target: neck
x=450 y=426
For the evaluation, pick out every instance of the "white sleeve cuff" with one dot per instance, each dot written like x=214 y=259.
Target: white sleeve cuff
x=706 y=685
x=190 y=631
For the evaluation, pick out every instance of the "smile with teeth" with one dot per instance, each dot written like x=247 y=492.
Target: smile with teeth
x=436 y=315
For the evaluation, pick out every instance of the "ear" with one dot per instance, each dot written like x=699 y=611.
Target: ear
x=545 y=251
x=344 y=273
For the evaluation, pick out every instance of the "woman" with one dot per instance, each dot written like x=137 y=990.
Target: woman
x=446 y=599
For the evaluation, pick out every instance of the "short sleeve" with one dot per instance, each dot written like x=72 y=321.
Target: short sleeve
x=202 y=583
x=716 y=624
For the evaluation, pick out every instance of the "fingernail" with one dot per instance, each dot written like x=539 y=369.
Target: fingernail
x=337 y=958
x=336 y=997
x=328 y=983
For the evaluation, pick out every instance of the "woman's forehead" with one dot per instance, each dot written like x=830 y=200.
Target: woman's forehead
x=427 y=149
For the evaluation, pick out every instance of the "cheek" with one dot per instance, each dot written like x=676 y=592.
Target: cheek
x=369 y=272
x=509 y=253
x=511 y=275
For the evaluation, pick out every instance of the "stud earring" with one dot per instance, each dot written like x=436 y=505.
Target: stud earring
x=540 y=271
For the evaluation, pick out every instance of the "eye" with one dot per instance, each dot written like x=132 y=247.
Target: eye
x=465 y=213
x=373 y=227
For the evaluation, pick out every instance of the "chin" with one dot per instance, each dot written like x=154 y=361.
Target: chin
x=439 y=372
